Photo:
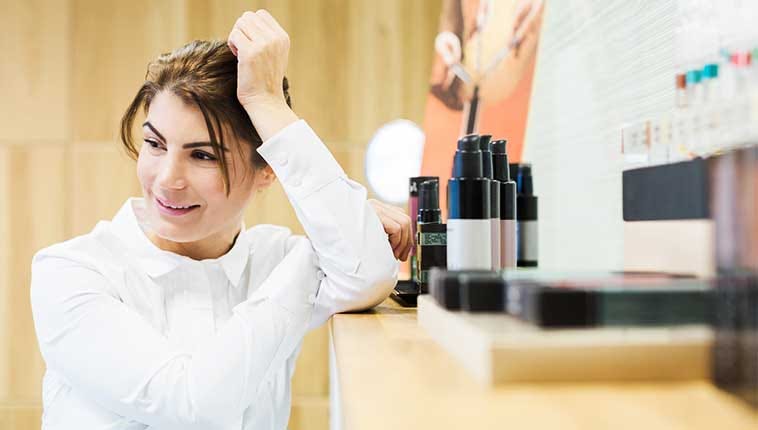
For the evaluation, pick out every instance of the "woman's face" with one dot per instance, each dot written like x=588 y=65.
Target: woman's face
x=185 y=199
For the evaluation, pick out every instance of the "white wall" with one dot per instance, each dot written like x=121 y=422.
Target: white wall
x=601 y=63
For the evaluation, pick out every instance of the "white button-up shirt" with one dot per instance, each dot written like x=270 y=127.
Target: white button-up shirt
x=135 y=337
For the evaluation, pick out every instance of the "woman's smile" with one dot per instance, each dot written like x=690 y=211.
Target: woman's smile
x=167 y=207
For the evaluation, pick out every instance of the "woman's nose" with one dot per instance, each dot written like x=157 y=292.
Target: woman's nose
x=172 y=174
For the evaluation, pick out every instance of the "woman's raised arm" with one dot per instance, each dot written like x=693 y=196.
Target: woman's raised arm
x=356 y=262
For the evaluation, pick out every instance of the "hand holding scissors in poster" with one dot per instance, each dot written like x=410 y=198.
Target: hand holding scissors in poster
x=488 y=60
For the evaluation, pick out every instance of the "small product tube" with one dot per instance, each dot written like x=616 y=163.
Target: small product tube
x=431 y=241
x=468 y=199
x=487 y=170
x=413 y=184
x=507 y=216
x=526 y=217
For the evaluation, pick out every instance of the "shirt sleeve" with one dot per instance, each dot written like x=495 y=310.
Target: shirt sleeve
x=356 y=263
x=116 y=358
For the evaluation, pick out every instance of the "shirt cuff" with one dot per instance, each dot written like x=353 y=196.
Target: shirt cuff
x=300 y=160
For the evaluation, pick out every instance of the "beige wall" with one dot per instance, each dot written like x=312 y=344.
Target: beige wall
x=68 y=70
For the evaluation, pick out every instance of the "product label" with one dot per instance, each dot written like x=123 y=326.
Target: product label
x=432 y=239
x=468 y=244
x=424 y=277
x=527 y=241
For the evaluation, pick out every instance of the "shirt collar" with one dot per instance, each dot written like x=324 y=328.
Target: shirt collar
x=157 y=262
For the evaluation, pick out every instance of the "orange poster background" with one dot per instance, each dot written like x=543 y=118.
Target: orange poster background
x=504 y=95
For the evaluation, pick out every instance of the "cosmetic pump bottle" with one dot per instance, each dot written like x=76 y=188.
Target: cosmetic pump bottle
x=413 y=184
x=431 y=240
x=468 y=198
x=507 y=215
x=526 y=217
x=487 y=172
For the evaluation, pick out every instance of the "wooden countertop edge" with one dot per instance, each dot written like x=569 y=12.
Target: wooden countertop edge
x=383 y=345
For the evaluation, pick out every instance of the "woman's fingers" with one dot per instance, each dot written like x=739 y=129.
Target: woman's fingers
x=404 y=232
x=268 y=21
x=522 y=10
x=411 y=244
x=393 y=234
x=389 y=225
x=397 y=225
x=526 y=17
x=236 y=40
x=262 y=50
x=394 y=230
x=407 y=240
x=253 y=26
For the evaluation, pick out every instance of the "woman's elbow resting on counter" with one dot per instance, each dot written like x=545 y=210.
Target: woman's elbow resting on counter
x=381 y=271
x=379 y=278
x=382 y=287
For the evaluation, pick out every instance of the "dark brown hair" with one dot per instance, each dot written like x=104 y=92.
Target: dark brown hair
x=201 y=73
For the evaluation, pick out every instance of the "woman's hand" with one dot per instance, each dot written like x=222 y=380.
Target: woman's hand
x=397 y=225
x=262 y=50
x=528 y=14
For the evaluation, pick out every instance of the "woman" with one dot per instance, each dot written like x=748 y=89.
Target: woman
x=173 y=316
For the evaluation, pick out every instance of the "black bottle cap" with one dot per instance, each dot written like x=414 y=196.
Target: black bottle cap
x=526 y=201
x=469 y=142
x=513 y=171
x=484 y=146
x=526 y=187
x=428 y=195
x=500 y=161
x=522 y=173
x=467 y=162
x=429 y=202
x=414 y=182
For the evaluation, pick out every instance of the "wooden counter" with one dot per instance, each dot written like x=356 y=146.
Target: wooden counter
x=387 y=373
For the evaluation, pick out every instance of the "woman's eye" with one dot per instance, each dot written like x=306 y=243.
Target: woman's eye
x=201 y=155
x=153 y=144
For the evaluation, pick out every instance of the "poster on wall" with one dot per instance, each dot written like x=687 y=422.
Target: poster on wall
x=481 y=77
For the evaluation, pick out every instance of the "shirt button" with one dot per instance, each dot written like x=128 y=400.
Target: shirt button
x=320 y=275
x=311 y=298
x=282 y=159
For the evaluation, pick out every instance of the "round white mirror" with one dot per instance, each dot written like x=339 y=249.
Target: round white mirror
x=394 y=154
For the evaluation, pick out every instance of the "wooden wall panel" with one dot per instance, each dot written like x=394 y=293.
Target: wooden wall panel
x=20 y=416
x=309 y=413
x=6 y=312
x=34 y=70
x=102 y=177
x=111 y=45
x=33 y=207
x=388 y=62
x=352 y=161
x=312 y=373
x=271 y=206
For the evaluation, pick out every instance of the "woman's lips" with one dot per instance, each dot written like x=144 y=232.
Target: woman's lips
x=165 y=208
